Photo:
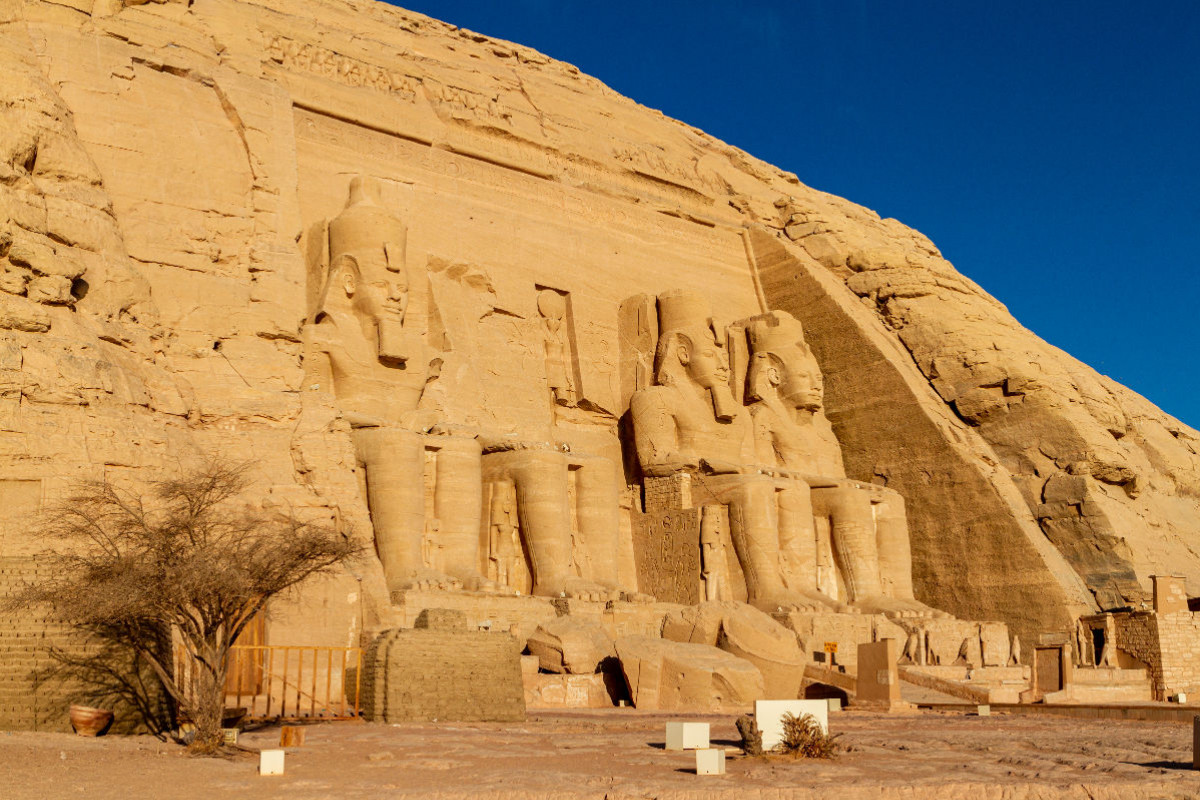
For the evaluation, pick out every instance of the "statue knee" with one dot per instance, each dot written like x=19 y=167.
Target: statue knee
x=843 y=504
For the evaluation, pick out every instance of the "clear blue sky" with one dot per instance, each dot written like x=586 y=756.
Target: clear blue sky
x=1050 y=149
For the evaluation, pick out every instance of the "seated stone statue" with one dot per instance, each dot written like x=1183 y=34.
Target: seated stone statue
x=689 y=421
x=868 y=527
x=361 y=347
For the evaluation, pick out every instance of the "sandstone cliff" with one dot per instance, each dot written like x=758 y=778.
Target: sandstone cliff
x=165 y=168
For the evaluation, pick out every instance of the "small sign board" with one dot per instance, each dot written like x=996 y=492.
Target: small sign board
x=831 y=648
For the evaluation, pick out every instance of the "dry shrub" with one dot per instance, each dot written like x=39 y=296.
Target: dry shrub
x=751 y=736
x=803 y=738
x=186 y=561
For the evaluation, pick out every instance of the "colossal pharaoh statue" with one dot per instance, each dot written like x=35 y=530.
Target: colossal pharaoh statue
x=689 y=422
x=775 y=466
x=361 y=344
x=867 y=525
x=555 y=513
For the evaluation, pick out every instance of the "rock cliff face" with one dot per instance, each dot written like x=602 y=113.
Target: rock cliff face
x=165 y=172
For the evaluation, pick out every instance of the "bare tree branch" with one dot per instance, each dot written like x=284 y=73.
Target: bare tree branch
x=187 y=560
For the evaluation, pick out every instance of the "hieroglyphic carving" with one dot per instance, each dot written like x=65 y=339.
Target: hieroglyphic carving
x=666 y=551
x=654 y=165
x=337 y=67
x=474 y=104
x=559 y=201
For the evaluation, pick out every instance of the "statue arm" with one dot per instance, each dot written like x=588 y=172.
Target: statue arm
x=318 y=369
x=655 y=436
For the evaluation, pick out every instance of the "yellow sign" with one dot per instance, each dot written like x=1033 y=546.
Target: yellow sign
x=831 y=647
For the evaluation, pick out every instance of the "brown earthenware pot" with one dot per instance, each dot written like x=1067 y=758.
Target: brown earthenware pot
x=88 y=721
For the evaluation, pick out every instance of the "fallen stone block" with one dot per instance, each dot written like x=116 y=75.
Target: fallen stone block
x=673 y=675
x=748 y=633
x=569 y=645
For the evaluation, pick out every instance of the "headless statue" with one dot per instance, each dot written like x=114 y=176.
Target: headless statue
x=561 y=565
x=690 y=422
x=867 y=522
x=362 y=346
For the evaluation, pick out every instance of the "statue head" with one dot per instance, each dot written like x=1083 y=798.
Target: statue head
x=690 y=351
x=367 y=274
x=553 y=308
x=781 y=362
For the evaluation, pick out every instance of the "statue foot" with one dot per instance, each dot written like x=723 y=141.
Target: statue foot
x=637 y=597
x=899 y=608
x=478 y=583
x=432 y=580
x=805 y=602
x=579 y=589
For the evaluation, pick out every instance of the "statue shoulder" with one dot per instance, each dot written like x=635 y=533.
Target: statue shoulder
x=651 y=399
x=319 y=337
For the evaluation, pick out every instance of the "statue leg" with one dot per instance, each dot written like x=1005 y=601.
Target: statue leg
x=853 y=532
x=458 y=504
x=895 y=553
x=870 y=559
x=598 y=511
x=754 y=529
x=394 y=462
x=798 y=543
x=544 y=517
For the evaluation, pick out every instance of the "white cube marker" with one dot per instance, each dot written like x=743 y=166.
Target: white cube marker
x=710 y=761
x=270 y=762
x=769 y=716
x=983 y=711
x=687 y=735
x=835 y=704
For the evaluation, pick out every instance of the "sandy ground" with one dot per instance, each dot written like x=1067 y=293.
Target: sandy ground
x=619 y=754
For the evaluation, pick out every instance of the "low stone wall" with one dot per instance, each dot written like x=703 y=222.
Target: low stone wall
x=443 y=675
x=1169 y=646
x=28 y=702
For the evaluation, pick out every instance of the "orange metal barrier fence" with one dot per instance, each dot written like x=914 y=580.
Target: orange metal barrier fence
x=288 y=682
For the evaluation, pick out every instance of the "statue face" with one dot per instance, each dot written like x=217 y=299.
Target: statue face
x=379 y=294
x=706 y=361
x=800 y=382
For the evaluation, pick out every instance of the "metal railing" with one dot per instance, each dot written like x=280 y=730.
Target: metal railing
x=290 y=682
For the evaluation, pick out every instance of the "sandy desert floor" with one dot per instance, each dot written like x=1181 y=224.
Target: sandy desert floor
x=619 y=754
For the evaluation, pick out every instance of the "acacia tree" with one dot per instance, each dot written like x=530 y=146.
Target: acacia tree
x=182 y=562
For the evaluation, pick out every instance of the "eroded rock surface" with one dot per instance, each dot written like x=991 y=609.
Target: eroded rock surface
x=168 y=174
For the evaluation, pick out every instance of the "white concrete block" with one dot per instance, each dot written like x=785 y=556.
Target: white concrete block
x=835 y=704
x=687 y=735
x=710 y=761
x=270 y=762
x=769 y=716
x=983 y=711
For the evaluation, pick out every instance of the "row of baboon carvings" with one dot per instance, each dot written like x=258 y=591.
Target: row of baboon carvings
x=735 y=413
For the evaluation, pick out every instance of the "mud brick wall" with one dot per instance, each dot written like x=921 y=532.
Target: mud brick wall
x=1179 y=643
x=28 y=701
x=1169 y=644
x=425 y=675
x=1137 y=635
